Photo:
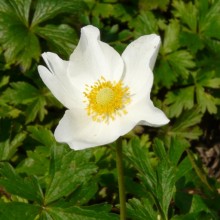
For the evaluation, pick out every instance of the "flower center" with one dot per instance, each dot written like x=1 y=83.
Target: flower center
x=105 y=96
x=106 y=100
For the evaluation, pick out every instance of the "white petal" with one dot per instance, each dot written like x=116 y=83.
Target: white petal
x=148 y=114
x=92 y=59
x=139 y=58
x=81 y=132
x=55 y=64
x=141 y=87
x=142 y=51
x=56 y=79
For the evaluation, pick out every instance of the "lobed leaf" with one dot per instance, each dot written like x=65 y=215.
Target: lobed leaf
x=20 y=93
x=61 y=39
x=79 y=213
x=145 y=23
x=149 y=5
x=184 y=126
x=177 y=147
x=36 y=162
x=187 y=12
x=165 y=172
x=206 y=101
x=27 y=188
x=24 y=93
x=141 y=209
x=209 y=21
x=49 y=9
x=84 y=193
x=171 y=38
x=18 y=210
x=8 y=148
x=180 y=100
x=68 y=170
x=42 y=135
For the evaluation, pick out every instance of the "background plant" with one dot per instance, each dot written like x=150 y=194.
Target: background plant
x=172 y=171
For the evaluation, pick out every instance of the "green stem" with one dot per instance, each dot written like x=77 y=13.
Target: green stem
x=121 y=184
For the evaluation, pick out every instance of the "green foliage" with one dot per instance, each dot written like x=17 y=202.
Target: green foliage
x=27 y=188
x=19 y=32
x=162 y=179
x=68 y=172
x=165 y=176
x=26 y=94
x=9 y=147
x=159 y=180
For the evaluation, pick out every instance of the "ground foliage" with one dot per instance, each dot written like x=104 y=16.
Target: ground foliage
x=165 y=170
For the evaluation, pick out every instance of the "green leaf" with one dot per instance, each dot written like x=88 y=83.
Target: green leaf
x=185 y=127
x=165 y=177
x=140 y=158
x=141 y=209
x=36 y=108
x=24 y=93
x=19 y=8
x=179 y=100
x=19 y=43
x=68 y=170
x=145 y=23
x=8 y=148
x=45 y=216
x=183 y=168
x=209 y=21
x=61 y=39
x=50 y=8
x=20 y=93
x=123 y=12
x=199 y=208
x=212 y=44
x=189 y=216
x=171 y=39
x=164 y=74
x=198 y=205
x=187 y=13
x=27 y=188
x=36 y=162
x=208 y=79
x=8 y=111
x=42 y=135
x=149 y=5
x=104 y=9
x=192 y=40
x=205 y=100
x=18 y=211
x=4 y=81
x=201 y=174
x=211 y=83
x=196 y=216
x=84 y=193
x=125 y=35
x=159 y=182
x=79 y=213
x=165 y=185
x=177 y=147
x=159 y=149
x=173 y=66
x=181 y=62
x=18 y=35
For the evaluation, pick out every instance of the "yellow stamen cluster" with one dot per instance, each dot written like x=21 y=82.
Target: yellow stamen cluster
x=106 y=99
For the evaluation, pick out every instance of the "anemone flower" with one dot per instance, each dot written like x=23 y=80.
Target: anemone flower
x=105 y=94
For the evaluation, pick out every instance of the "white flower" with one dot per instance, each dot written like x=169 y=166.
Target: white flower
x=106 y=94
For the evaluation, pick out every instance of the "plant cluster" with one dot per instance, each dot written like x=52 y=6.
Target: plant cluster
x=170 y=172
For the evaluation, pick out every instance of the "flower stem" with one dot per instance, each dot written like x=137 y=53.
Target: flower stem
x=121 y=184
